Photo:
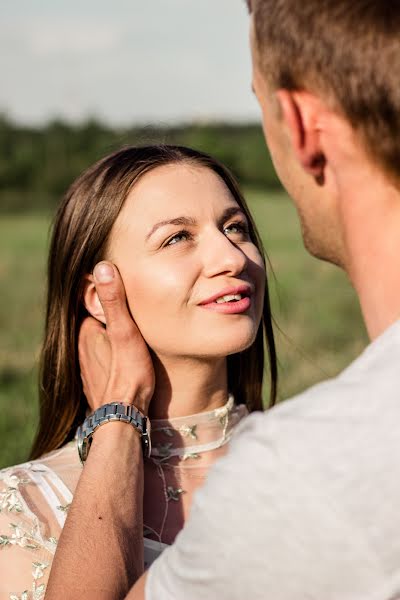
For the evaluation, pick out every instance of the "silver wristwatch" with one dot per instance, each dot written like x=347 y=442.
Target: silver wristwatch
x=114 y=411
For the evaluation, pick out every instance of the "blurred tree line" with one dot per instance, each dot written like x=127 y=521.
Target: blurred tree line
x=38 y=164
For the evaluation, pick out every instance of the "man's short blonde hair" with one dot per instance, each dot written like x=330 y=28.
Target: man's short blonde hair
x=346 y=50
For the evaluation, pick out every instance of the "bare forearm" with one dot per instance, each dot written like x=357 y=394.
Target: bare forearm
x=100 y=552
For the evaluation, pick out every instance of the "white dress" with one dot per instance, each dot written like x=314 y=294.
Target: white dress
x=35 y=496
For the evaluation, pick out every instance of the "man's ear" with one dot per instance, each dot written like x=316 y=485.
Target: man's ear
x=301 y=111
x=91 y=299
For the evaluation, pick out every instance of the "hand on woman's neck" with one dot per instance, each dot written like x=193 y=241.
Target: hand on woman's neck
x=187 y=386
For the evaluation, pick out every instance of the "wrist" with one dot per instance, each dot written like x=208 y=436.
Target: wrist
x=116 y=433
x=141 y=401
x=123 y=414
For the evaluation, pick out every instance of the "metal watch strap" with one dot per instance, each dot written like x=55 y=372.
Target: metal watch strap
x=113 y=411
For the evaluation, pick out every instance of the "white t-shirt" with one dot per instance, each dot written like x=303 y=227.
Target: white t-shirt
x=306 y=504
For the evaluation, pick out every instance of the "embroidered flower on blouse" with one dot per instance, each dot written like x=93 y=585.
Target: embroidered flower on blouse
x=53 y=540
x=9 y=497
x=223 y=420
x=38 y=569
x=191 y=455
x=38 y=592
x=64 y=507
x=38 y=572
x=174 y=493
x=23 y=596
x=188 y=431
x=20 y=537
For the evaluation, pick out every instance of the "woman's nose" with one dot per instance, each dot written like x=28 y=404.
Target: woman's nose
x=223 y=256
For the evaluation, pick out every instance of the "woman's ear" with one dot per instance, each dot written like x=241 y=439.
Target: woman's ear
x=91 y=299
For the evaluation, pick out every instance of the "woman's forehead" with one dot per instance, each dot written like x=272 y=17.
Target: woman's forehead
x=177 y=187
x=172 y=192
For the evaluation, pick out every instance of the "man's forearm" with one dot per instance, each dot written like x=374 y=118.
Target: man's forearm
x=100 y=551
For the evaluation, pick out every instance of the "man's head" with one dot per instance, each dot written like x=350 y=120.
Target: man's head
x=326 y=77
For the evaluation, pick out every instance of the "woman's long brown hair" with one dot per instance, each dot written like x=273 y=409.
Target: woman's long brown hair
x=81 y=230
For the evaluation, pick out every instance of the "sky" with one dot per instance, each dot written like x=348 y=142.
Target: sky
x=125 y=61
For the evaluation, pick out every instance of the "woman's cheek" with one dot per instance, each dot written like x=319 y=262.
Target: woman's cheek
x=154 y=297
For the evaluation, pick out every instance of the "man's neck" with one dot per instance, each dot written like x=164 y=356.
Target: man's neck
x=187 y=386
x=371 y=217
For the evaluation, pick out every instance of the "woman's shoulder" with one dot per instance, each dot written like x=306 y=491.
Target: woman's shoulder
x=40 y=485
x=60 y=468
x=34 y=500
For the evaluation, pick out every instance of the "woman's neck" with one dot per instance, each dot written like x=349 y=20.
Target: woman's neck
x=186 y=386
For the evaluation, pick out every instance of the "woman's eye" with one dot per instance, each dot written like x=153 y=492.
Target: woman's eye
x=237 y=228
x=182 y=235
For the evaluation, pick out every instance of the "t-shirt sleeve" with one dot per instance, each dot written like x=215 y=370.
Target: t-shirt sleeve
x=265 y=526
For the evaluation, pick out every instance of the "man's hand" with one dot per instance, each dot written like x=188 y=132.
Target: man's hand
x=100 y=551
x=115 y=362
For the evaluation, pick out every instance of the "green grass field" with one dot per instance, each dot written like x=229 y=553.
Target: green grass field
x=320 y=327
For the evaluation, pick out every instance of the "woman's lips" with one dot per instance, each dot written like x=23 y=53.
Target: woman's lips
x=229 y=308
x=243 y=289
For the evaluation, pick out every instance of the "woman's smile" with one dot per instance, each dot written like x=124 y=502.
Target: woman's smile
x=230 y=301
x=230 y=307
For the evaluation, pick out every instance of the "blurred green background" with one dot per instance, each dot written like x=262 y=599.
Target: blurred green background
x=319 y=327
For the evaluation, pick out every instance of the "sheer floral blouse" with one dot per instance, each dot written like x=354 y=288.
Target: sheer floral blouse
x=35 y=496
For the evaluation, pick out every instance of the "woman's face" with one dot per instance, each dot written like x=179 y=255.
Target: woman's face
x=194 y=280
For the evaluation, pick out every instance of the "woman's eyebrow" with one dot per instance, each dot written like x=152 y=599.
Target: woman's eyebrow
x=176 y=221
x=227 y=214
x=231 y=212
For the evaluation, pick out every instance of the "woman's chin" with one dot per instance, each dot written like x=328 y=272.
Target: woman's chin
x=207 y=344
x=234 y=345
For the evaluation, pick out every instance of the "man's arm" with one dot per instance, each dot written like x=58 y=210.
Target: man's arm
x=100 y=551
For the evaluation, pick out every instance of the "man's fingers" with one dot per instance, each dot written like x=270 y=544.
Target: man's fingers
x=94 y=359
x=111 y=292
x=89 y=328
x=130 y=372
x=123 y=333
x=91 y=333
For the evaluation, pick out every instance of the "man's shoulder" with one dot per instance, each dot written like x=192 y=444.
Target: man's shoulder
x=341 y=425
x=366 y=394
